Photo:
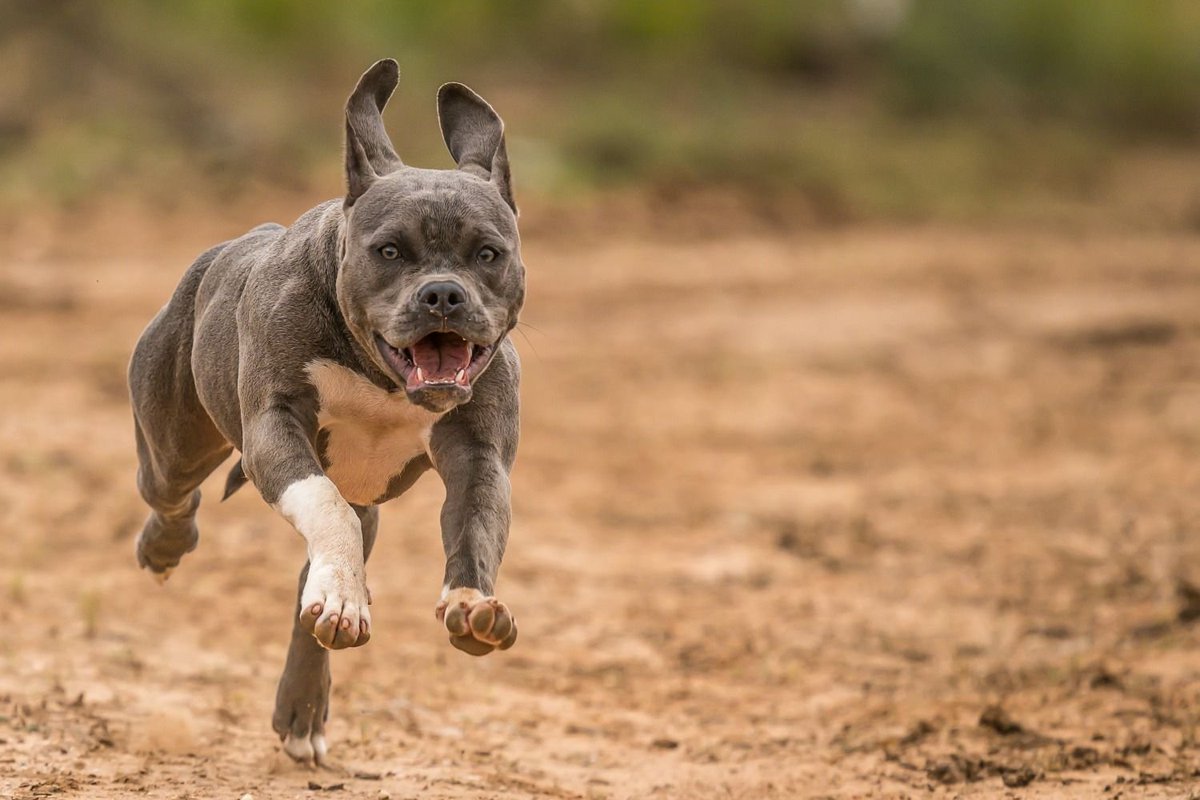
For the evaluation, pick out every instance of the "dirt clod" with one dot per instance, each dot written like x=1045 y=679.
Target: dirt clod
x=1189 y=601
x=1016 y=777
x=918 y=732
x=957 y=768
x=998 y=720
x=1102 y=678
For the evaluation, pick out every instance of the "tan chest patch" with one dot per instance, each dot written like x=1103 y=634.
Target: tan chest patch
x=369 y=433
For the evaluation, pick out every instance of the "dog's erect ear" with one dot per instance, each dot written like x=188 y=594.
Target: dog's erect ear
x=474 y=134
x=369 y=151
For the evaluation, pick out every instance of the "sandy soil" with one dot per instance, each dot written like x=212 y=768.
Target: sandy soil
x=855 y=513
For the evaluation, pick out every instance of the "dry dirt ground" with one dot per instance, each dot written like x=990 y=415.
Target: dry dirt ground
x=864 y=512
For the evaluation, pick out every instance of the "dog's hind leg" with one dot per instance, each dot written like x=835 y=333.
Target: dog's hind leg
x=167 y=482
x=302 y=699
x=177 y=443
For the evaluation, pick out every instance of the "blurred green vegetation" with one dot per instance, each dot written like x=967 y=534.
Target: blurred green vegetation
x=870 y=107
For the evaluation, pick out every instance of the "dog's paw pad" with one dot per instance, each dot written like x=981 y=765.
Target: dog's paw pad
x=477 y=624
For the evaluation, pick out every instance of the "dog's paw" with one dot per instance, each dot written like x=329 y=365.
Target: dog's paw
x=309 y=750
x=303 y=735
x=301 y=708
x=162 y=544
x=476 y=624
x=333 y=606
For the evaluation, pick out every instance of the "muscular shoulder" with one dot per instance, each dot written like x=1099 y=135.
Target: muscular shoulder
x=287 y=316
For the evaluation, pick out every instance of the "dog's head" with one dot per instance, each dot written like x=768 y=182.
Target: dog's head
x=431 y=278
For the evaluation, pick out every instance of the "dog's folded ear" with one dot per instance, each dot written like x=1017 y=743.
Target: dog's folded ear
x=369 y=151
x=474 y=134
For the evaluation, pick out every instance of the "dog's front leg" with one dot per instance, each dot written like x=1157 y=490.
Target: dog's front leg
x=278 y=456
x=475 y=519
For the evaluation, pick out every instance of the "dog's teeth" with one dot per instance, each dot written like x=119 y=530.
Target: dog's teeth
x=461 y=376
x=420 y=375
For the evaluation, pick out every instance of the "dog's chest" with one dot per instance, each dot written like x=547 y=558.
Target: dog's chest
x=367 y=434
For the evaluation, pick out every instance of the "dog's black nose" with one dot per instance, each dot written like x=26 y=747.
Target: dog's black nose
x=442 y=298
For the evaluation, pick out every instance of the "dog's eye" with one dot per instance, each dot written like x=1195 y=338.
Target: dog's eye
x=390 y=252
x=487 y=255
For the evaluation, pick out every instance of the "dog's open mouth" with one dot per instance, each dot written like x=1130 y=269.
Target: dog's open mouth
x=439 y=360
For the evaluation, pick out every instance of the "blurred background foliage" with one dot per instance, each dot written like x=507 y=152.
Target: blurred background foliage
x=876 y=108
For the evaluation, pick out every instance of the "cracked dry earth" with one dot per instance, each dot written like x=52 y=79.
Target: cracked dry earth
x=856 y=513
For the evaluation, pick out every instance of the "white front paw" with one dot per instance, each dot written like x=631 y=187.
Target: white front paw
x=333 y=605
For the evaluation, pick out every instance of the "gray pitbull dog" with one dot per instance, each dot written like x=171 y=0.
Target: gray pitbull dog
x=343 y=357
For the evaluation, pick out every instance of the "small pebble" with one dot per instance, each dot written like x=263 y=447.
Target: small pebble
x=246 y=796
x=384 y=794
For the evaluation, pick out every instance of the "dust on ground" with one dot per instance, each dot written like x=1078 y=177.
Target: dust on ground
x=862 y=512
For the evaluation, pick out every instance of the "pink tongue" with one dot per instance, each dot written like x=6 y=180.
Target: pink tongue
x=440 y=356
